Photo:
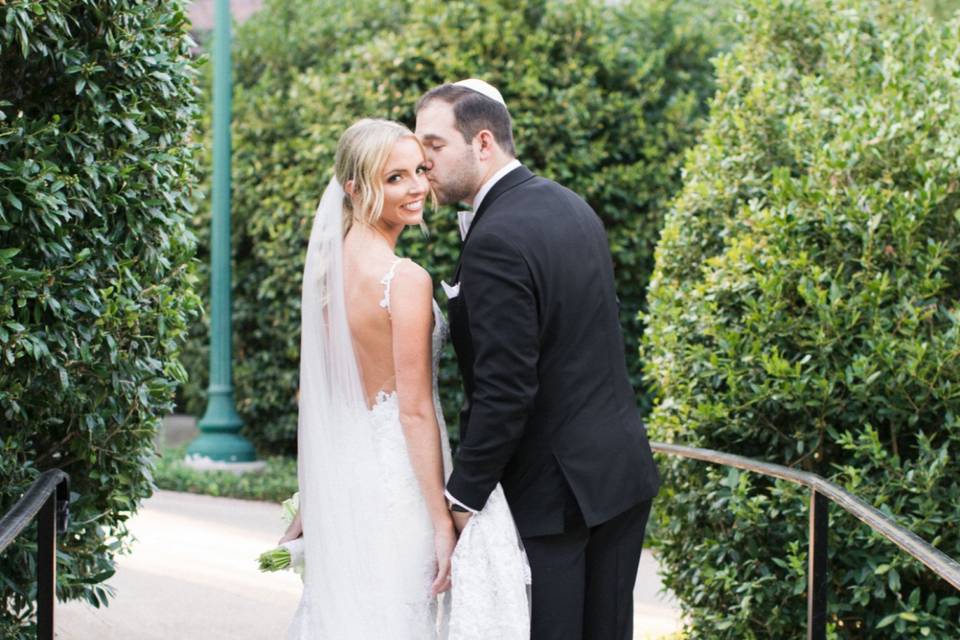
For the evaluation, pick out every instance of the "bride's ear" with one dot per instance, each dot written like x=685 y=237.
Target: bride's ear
x=348 y=188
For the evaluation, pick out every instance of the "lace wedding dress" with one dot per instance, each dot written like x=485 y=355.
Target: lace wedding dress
x=368 y=538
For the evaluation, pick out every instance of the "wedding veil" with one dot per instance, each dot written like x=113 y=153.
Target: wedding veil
x=341 y=495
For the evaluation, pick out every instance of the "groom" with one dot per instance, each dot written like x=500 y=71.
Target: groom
x=549 y=411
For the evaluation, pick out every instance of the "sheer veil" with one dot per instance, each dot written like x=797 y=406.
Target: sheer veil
x=341 y=496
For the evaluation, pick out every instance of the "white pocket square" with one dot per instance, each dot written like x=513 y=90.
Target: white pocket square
x=451 y=291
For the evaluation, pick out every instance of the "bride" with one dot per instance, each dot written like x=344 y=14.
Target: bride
x=381 y=550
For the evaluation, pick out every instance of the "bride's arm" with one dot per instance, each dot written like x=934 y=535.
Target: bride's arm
x=294 y=531
x=411 y=309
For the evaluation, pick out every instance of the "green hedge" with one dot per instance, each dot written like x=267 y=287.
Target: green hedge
x=804 y=311
x=275 y=483
x=605 y=96
x=942 y=9
x=96 y=105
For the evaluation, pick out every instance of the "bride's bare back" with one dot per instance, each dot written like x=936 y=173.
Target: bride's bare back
x=369 y=271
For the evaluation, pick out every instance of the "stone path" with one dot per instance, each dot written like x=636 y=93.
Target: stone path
x=193 y=575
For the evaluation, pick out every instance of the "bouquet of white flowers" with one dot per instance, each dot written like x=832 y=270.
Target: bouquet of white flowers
x=289 y=555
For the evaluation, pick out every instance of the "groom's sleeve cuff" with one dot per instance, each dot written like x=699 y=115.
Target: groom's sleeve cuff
x=455 y=501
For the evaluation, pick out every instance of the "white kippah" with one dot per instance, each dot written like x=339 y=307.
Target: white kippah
x=483 y=88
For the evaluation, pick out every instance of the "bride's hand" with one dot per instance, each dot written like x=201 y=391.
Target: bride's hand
x=294 y=531
x=444 y=542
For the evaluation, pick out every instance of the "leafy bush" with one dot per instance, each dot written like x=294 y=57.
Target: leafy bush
x=96 y=105
x=276 y=483
x=942 y=9
x=605 y=97
x=804 y=311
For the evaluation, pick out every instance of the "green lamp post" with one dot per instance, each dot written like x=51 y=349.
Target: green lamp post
x=220 y=443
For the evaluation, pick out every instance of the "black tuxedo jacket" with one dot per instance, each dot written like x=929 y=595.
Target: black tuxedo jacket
x=549 y=411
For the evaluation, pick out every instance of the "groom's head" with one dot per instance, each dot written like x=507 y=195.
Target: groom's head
x=467 y=134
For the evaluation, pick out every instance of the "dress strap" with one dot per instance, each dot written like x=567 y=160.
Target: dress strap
x=385 y=281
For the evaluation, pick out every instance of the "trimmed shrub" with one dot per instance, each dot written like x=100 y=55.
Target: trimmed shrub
x=96 y=105
x=804 y=311
x=605 y=98
x=942 y=9
x=275 y=483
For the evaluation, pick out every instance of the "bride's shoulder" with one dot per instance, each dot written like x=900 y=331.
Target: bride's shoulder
x=410 y=274
x=412 y=287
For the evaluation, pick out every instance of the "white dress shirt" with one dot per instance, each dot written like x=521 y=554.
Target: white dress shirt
x=465 y=219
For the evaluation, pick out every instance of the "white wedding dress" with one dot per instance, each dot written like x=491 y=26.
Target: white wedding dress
x=368 y=538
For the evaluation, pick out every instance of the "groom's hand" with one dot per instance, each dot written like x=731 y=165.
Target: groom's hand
x=460 y=519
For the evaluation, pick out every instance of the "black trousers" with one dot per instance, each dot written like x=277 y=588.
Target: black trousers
x=583 y=578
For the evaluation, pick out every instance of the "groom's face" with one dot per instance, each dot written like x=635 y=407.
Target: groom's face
x=454 y=169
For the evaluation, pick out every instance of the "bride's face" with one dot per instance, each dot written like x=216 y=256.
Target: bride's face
x=405 y=185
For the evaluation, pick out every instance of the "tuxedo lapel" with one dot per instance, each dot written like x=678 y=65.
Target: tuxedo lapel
x=513 y=179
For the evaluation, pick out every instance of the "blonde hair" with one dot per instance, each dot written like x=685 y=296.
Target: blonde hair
x=362 y=152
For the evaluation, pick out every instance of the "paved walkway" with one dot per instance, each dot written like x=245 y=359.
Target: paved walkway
x=193 y=575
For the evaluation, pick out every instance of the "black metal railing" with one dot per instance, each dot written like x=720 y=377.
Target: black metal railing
x=822 y=490
x=47 y=500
